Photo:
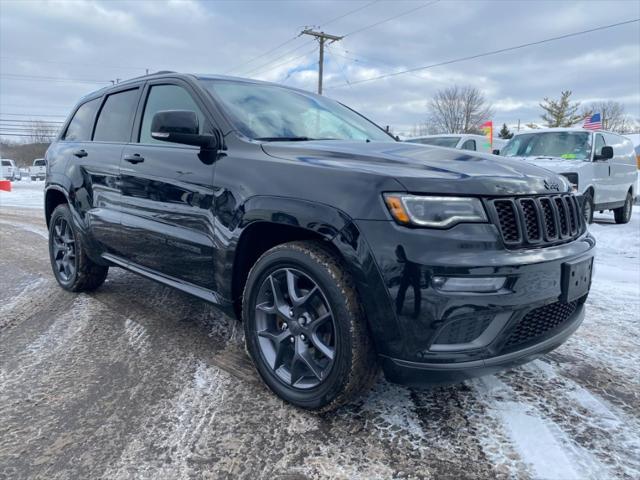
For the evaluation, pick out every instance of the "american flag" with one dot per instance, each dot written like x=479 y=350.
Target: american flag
x=594 y=122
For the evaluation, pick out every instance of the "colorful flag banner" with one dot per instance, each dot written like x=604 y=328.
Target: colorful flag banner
x=487 y=128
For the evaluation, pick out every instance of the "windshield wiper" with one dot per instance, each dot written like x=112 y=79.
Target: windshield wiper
x=284 y=139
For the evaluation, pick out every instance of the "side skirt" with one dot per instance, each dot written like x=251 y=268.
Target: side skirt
x=608 y=206
x=210 y=296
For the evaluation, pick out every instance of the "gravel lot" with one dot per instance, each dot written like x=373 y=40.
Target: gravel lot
x=140 y=381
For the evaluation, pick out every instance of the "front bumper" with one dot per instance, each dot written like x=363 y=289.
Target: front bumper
x=447 y=336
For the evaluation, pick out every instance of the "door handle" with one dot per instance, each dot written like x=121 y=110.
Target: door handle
x=80 y=153
x=135 y=158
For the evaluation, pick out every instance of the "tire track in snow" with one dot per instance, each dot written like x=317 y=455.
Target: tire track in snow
x=608 y=433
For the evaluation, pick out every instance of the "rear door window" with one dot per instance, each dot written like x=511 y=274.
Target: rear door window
x=115 y=119
x=167 y=97
x=79 y=129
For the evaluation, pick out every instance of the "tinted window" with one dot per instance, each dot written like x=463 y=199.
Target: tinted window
x=116 y=117
x=79 y=130
x=38 y=163
x=469 y=145
x=166 y=97
x=6 y=163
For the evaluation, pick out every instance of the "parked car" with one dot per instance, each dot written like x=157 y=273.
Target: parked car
x=338 y=247
x=9 y=170
x=465 y=141
x=38 y=170
x=601 y=166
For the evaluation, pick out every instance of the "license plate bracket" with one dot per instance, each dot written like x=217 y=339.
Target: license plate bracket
x=576 y=279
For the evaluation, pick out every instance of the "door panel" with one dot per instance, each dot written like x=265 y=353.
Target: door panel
x=167 y=194
x=167 y=216
x=622 y=167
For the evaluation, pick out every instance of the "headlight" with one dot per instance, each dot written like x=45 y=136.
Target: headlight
x=572 y=179
x=434 y=212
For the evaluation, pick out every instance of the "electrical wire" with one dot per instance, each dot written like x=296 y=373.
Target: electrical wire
x=486 y=54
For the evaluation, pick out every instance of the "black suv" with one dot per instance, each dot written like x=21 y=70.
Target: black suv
x=340 y=248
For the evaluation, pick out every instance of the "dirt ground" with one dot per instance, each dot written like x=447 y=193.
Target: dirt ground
x=140 y=381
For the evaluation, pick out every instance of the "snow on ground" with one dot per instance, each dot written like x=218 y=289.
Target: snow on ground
x=170 y=401
x=24 y=193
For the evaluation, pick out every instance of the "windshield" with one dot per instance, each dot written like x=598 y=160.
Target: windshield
x=568 y=145
x=38 y=163
x=450 y=142
x=270 y=112
x=6 y=163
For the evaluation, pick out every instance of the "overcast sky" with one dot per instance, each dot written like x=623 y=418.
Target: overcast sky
x=81 y=46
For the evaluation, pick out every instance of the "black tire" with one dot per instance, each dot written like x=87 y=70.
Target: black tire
x=33 y=179
x=73 y=269
x=353 y=366
x=623 y=214
x=587 y=207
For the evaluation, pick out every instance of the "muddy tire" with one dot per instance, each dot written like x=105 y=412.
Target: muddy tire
x=73 y=269
x=305 y=328
x=623 y=214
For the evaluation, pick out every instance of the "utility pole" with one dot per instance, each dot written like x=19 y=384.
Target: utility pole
x=322 y=38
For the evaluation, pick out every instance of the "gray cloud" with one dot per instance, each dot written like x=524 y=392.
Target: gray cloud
x=100 y=41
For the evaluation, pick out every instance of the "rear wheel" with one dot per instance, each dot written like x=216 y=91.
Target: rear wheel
x=73 y=269
x=304 y=327
x=623 y=214
x=587 y=207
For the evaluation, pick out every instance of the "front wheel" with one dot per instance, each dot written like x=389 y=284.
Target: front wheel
x=623 y=214
x=305 y=329
x=587 y=207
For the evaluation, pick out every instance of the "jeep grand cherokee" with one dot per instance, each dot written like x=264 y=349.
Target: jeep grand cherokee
x=339 y=248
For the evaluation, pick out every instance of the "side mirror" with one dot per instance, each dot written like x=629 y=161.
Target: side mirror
x=180 y=126
x=496 y=152
x=605 y=154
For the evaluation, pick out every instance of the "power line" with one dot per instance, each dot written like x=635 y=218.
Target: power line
x=485 y=54
x=290 y=40
x=13 y=76
x=11 y=57
x=407 y=12
x=307 y=53
x=348 y=13
x=259 y=69
x=33 y=114
x=375 y=24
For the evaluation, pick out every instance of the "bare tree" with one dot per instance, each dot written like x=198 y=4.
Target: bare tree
x=41 y=131
x=612 y=113
x=458 y=109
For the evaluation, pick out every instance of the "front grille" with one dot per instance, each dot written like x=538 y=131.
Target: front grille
x=540 y=321
x=464 y=330
x=537 y=221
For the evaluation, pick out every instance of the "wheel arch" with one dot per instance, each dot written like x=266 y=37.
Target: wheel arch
x=53 y=197
x=273 y=221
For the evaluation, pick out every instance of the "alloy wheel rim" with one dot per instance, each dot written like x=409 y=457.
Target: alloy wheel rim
x=64 y=250
x=295 y=328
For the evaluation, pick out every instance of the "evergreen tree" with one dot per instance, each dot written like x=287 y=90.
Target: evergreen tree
x=505 y=132
x=561 y=113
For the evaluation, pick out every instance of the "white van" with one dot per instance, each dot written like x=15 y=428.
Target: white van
x=601 y=166
x=461 y=141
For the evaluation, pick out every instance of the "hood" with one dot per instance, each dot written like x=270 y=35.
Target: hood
x=425 y=168
x=555 y=164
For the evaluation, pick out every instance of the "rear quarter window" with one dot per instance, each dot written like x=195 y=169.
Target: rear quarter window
x=115 y=119
x=79 y=129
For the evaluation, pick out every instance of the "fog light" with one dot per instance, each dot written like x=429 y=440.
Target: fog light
x=468 y=284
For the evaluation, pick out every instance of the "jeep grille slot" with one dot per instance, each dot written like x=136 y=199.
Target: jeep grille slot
x=537 y=221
